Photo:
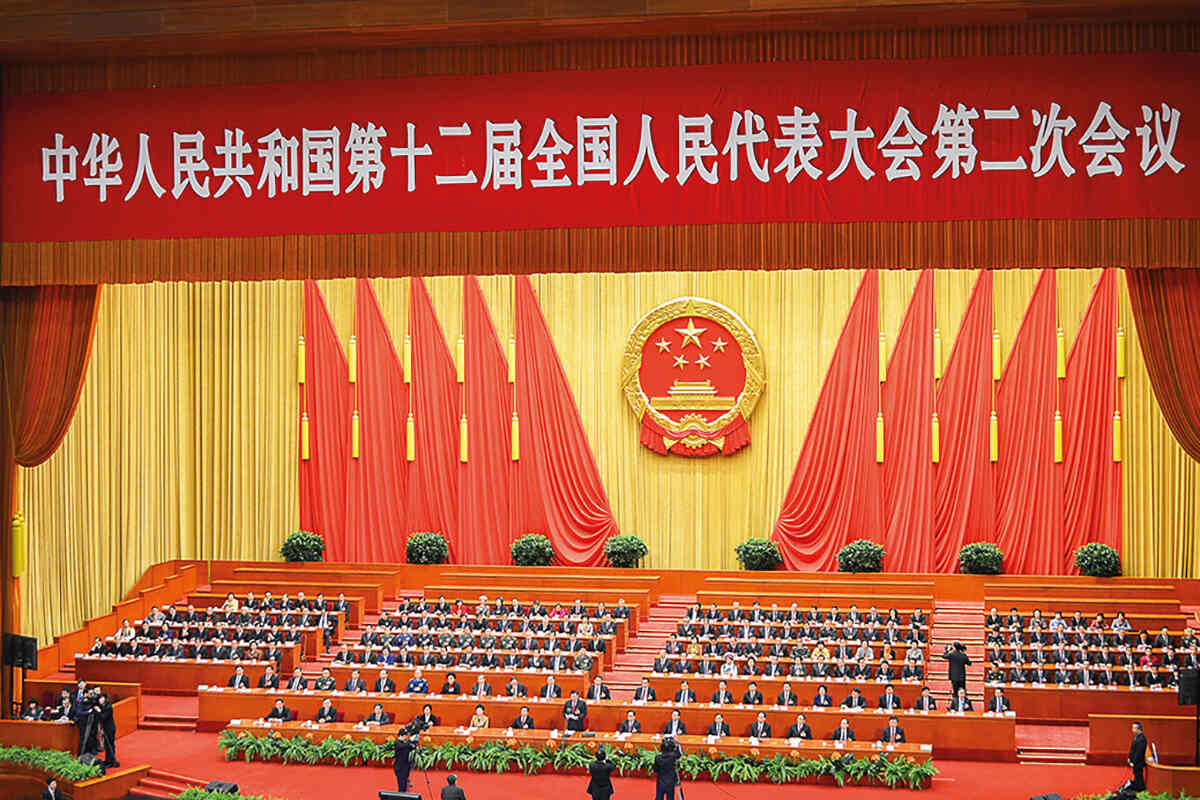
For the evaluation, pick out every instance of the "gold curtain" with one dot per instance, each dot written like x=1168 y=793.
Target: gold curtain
x=185 y=441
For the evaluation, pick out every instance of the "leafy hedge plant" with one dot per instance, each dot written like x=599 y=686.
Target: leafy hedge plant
x=758 y=554
x=981 y=558
x=499 y=757
x=532 y=550
x=625 y=550
x=1098 y=560
x=861 y=555
x=302 y=546
x=1143 y=795
x=427 y=547
x=57 y=763
x=204 y=794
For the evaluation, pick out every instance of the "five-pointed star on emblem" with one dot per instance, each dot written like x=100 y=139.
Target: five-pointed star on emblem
x=702 y=362
x=663 y=345
x=680 y=361
x=718 y=344
x=691 y=334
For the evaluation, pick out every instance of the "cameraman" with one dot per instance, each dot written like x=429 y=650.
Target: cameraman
x=664 y=766
x=406 y=743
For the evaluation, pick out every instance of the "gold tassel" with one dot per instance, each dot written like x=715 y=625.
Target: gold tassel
x=1060 y=343
x=19 y=549
x=1058 y=437
x=516 y=438
x=997 y=355
x=1117 y=442
x=937 y=354
x=462 y=438
x=512 y=359
x=936 y=449
x=354 y=433
x=879 y=438
x=994 y=438
x=1120 y=352
x=882 y=357
x=300 y=360
x=407 y=359
x=353 y=358
x=304 y=436
x=460 y=361
x=410 y=438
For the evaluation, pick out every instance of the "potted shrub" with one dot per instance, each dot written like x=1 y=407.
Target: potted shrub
x=981 y=558
x=1098 y=560
x=302 y=546
x=625 y=550
x=861 y=555
x=427 y=547
x=532 y=550
x=758 y=554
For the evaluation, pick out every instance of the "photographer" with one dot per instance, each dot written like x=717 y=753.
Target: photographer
x=600 y=786
x=664 y=768
x=405 y=744
x=100 y=731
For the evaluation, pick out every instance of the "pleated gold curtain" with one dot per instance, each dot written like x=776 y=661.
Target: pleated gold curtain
x=185 y=440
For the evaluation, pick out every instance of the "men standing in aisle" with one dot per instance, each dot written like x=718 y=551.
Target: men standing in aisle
x=1137 y=758
x=957 y=656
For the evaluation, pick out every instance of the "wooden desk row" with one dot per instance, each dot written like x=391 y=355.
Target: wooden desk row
x=1109 y=736
x=410 y=625
x=64 y=735
x=1075 y=704
x=730 y=745
x=168 y=677
x=1051 y=603
x=637 y=600
x=391 y=580
x=371 y=593
x=312 y=638
x=665 y=687
x=210 y=599
x=969 y=736
x=604 y=658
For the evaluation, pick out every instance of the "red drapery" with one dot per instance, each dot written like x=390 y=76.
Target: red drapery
x=488 y=477
x=433 y=478
x=45 y=344
x=836 y=490
x=377 y=481
x=326 y=399
x=1166 y=308
x=1029 y=517
x=964 y=493
x=907 y=414
x=577 y=514
x=1092 y=481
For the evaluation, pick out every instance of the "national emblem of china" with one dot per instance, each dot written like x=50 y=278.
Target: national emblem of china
x=692 y=372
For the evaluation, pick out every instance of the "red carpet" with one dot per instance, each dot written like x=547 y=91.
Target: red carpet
x=196 y=755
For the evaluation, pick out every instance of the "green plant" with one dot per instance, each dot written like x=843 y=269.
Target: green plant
x=59 y=764
x=625 y=550
x=427 y=547
x=302 y=546
x=532 y=550
x=981 y=558
x=861 y=555
x=203 y=794
x=758 y=554
x=1098 y=560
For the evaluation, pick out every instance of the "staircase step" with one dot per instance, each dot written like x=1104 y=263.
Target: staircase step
x=176 y=777
x=167 y=726
x=138 y=792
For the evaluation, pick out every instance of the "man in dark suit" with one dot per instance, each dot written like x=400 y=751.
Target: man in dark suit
x=51 y=791
x=843 y=733
x=760 y=728
x=514 y=688
x=327 y=713
x=377 y=716
x=786 y=696
x=523 y=721
x=268 y=680
x=1137 y=757
x=630 y=723
x=889 y=700
x=355 y=683
x=575 y=712
x=957 y=656
x=999 y=703
x=718 y=727
x=799 y=729
x=452 y=791
x=645 y=692
x=384 y=683
x=402 y=760
x=550 y=689
x=685 y=695
x=298 y=681
x=675 y=726
x=600 y=786
x=893 y=733
x=752 y=696
x=926 y=702
x=598 y=691
x=239 y=679
x=279 y=712
x=664 y=769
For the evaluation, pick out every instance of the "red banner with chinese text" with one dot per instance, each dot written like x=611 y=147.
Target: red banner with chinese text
x=1050 y=137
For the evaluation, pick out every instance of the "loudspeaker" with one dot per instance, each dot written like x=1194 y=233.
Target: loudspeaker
x=399 y=796
x=221 y=786
x=1051 y=796
x=1189 y=687
x=88 y=759
x=20 y=651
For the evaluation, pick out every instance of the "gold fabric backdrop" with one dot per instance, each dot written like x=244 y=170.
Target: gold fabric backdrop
x=185 y=441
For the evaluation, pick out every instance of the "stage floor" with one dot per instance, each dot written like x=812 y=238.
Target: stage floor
x=196 y=755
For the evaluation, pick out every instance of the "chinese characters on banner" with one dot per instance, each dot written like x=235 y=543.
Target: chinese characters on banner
x=1058 y=137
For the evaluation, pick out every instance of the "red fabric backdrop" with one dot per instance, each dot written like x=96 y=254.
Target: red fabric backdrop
x=1092 y=483
x=488 y=477
x=1166 y=307
x=907 y=413
x=327 y=399
x=577 y=515
x=377 y=481
x=433 y=478
x=836 y=490
x=1029 y=515
x=964 y=497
